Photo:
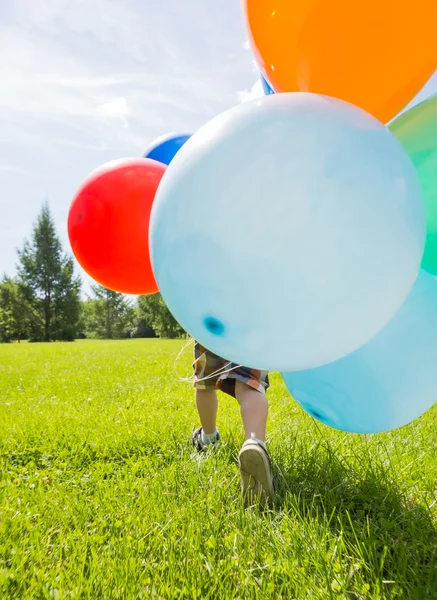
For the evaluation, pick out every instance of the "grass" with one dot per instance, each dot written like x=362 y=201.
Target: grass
x=102 y=497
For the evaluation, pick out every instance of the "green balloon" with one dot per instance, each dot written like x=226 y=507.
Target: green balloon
x=417 y=131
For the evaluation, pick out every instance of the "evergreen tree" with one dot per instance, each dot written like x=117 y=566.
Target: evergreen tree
x=48 y=285
x=109 y=315
x=141 y=327
x=155 y=312
x=14 y=322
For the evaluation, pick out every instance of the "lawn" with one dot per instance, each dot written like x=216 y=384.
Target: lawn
x=102 y=497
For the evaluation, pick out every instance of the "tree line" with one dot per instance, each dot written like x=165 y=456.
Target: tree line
x=44 y=303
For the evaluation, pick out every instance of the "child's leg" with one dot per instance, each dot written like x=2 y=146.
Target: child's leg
x=254 y=410
x=255 y=467
x=206 y=368
x=206 y=401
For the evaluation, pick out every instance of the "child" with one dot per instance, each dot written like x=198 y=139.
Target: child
x=248 y=386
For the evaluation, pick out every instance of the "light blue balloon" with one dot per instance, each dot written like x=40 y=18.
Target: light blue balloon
x=387 y=383
x=288 y=231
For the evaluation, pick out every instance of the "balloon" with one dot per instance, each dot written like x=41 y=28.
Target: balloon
x=288 y=231
x=108 y=224
x=387 y=383
x=266 y=86
x=417 y=131
x=375 y=54
x=164 y=148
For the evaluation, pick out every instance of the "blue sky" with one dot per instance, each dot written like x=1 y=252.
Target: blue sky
x=85 y=82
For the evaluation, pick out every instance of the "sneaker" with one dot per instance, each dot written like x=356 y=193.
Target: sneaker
x=256 y=472
x=197 y=442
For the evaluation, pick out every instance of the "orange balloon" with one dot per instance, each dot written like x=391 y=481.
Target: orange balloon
x=108 y=224
x=376 y=54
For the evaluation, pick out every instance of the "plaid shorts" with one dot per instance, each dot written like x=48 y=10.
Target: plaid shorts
x=206 y=364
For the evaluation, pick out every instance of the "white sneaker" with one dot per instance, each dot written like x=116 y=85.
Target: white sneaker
x=256 y=472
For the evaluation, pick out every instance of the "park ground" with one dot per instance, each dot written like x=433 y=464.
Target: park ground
x=101 y=496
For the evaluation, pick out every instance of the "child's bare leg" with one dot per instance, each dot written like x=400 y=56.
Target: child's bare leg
x=255 y=468
x=206 y=401
x=254 y=410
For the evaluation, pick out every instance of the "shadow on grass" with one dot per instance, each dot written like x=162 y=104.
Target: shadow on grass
x=357 y=494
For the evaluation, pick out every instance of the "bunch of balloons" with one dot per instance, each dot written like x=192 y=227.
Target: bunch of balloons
x=297 y=232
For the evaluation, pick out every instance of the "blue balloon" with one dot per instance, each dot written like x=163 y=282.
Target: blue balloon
x=266 y=86
x=165 y=147
x=387 y=383
x=288 y=231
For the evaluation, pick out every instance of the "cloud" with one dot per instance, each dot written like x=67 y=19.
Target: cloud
x=75 y=60
x=117 y=108
x=256 y=91
x=86 y=82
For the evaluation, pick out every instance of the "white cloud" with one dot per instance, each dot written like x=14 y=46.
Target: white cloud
x=117 y=108
x=256 y=91
x=85 y=82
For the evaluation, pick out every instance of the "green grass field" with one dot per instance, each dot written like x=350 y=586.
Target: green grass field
x=101 y=495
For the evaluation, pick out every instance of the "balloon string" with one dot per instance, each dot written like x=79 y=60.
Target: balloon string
x=185 y=379
x=222 y=371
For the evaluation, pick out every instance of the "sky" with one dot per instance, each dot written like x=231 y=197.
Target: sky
x=86 y=82
x=82 y=83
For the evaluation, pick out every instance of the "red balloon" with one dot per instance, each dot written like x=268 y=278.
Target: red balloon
x=108 y=224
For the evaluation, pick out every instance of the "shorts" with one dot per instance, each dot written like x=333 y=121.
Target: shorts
x=206 y=364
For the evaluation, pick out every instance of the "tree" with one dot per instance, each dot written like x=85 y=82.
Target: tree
x=155 y=312
x=141 y=327
x=109 y=315
x=14 y=322
x=48 y=285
